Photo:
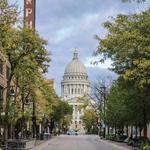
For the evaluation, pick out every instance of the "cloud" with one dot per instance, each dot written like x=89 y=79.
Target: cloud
x=68 y=24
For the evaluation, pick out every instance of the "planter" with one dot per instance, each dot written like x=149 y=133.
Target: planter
x=21 y=144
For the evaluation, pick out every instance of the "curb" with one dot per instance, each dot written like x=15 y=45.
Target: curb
x=113 y=144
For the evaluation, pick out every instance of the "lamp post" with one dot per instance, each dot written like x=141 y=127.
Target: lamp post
x=34 y=119
x=10 y=93
x=103 y=93
x=1 y=119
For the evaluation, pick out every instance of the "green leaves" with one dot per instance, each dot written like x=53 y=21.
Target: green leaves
x=90 y=121
x=127 y=105
x=61 y=110
x=128 y=45
x=8 y=14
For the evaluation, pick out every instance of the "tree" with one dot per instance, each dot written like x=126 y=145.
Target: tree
x=61 y=110
x=8 y=18
x=27 y=54
x=127 y=106
x=90 y=121
x=127 y=44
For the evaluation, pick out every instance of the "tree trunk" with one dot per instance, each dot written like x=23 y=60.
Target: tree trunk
x=140 y=130
x=127 y=130
x=145 y=125
x=131 y=132
x=115 y=131
x=136 y=131
x=145 y=131
x=108 y=129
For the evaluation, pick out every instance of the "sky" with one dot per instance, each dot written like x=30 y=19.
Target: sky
x=70 y=24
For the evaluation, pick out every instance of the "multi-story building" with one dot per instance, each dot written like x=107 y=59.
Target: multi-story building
x=4 y=74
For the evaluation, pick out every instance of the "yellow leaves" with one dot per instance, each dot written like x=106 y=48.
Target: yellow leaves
x=41 y=102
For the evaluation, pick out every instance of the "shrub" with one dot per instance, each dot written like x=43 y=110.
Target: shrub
x=111 y=137
x=144 y=144
x=146 y=148
x=130 y=142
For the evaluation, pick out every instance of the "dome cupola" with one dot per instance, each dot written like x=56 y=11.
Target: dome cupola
x=75 y=67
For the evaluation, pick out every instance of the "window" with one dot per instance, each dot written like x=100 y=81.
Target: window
x=7 y=72
x=1 y=67
x=75 y=91
x=1 y=94
x=78 y=91
x=1 y=97
x=81 y=91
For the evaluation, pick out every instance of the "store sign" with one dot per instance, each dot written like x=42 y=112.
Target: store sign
x=29 y=14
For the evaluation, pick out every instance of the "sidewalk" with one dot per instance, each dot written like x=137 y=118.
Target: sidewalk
x=123 y=146
x=42 y=143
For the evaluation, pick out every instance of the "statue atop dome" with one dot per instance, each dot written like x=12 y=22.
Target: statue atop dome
x=75 y=54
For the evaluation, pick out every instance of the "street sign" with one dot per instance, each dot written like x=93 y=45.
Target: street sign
x=29 y=14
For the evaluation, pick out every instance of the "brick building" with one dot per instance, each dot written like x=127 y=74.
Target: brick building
x=4 y=74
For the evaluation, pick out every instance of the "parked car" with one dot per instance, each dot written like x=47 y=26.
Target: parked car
x=72 y=132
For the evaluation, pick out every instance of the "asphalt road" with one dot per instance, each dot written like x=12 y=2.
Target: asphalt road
x=80 y=142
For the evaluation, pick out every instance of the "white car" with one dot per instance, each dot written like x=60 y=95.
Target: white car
x=72 y=132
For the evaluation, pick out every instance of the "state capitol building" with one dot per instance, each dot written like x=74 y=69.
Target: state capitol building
x=74 y=86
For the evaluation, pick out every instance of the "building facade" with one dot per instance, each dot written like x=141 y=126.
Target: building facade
x=4 y=75
x=75 y=86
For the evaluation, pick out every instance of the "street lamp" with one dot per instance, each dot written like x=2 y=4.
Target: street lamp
x=10 y=93
x=103 y=94
x=34 y=119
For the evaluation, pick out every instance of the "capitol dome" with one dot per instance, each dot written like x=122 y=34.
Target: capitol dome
x=75 y=67
x=75 y=80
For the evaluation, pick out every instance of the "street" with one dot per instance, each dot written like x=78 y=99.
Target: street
x=80 y=142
